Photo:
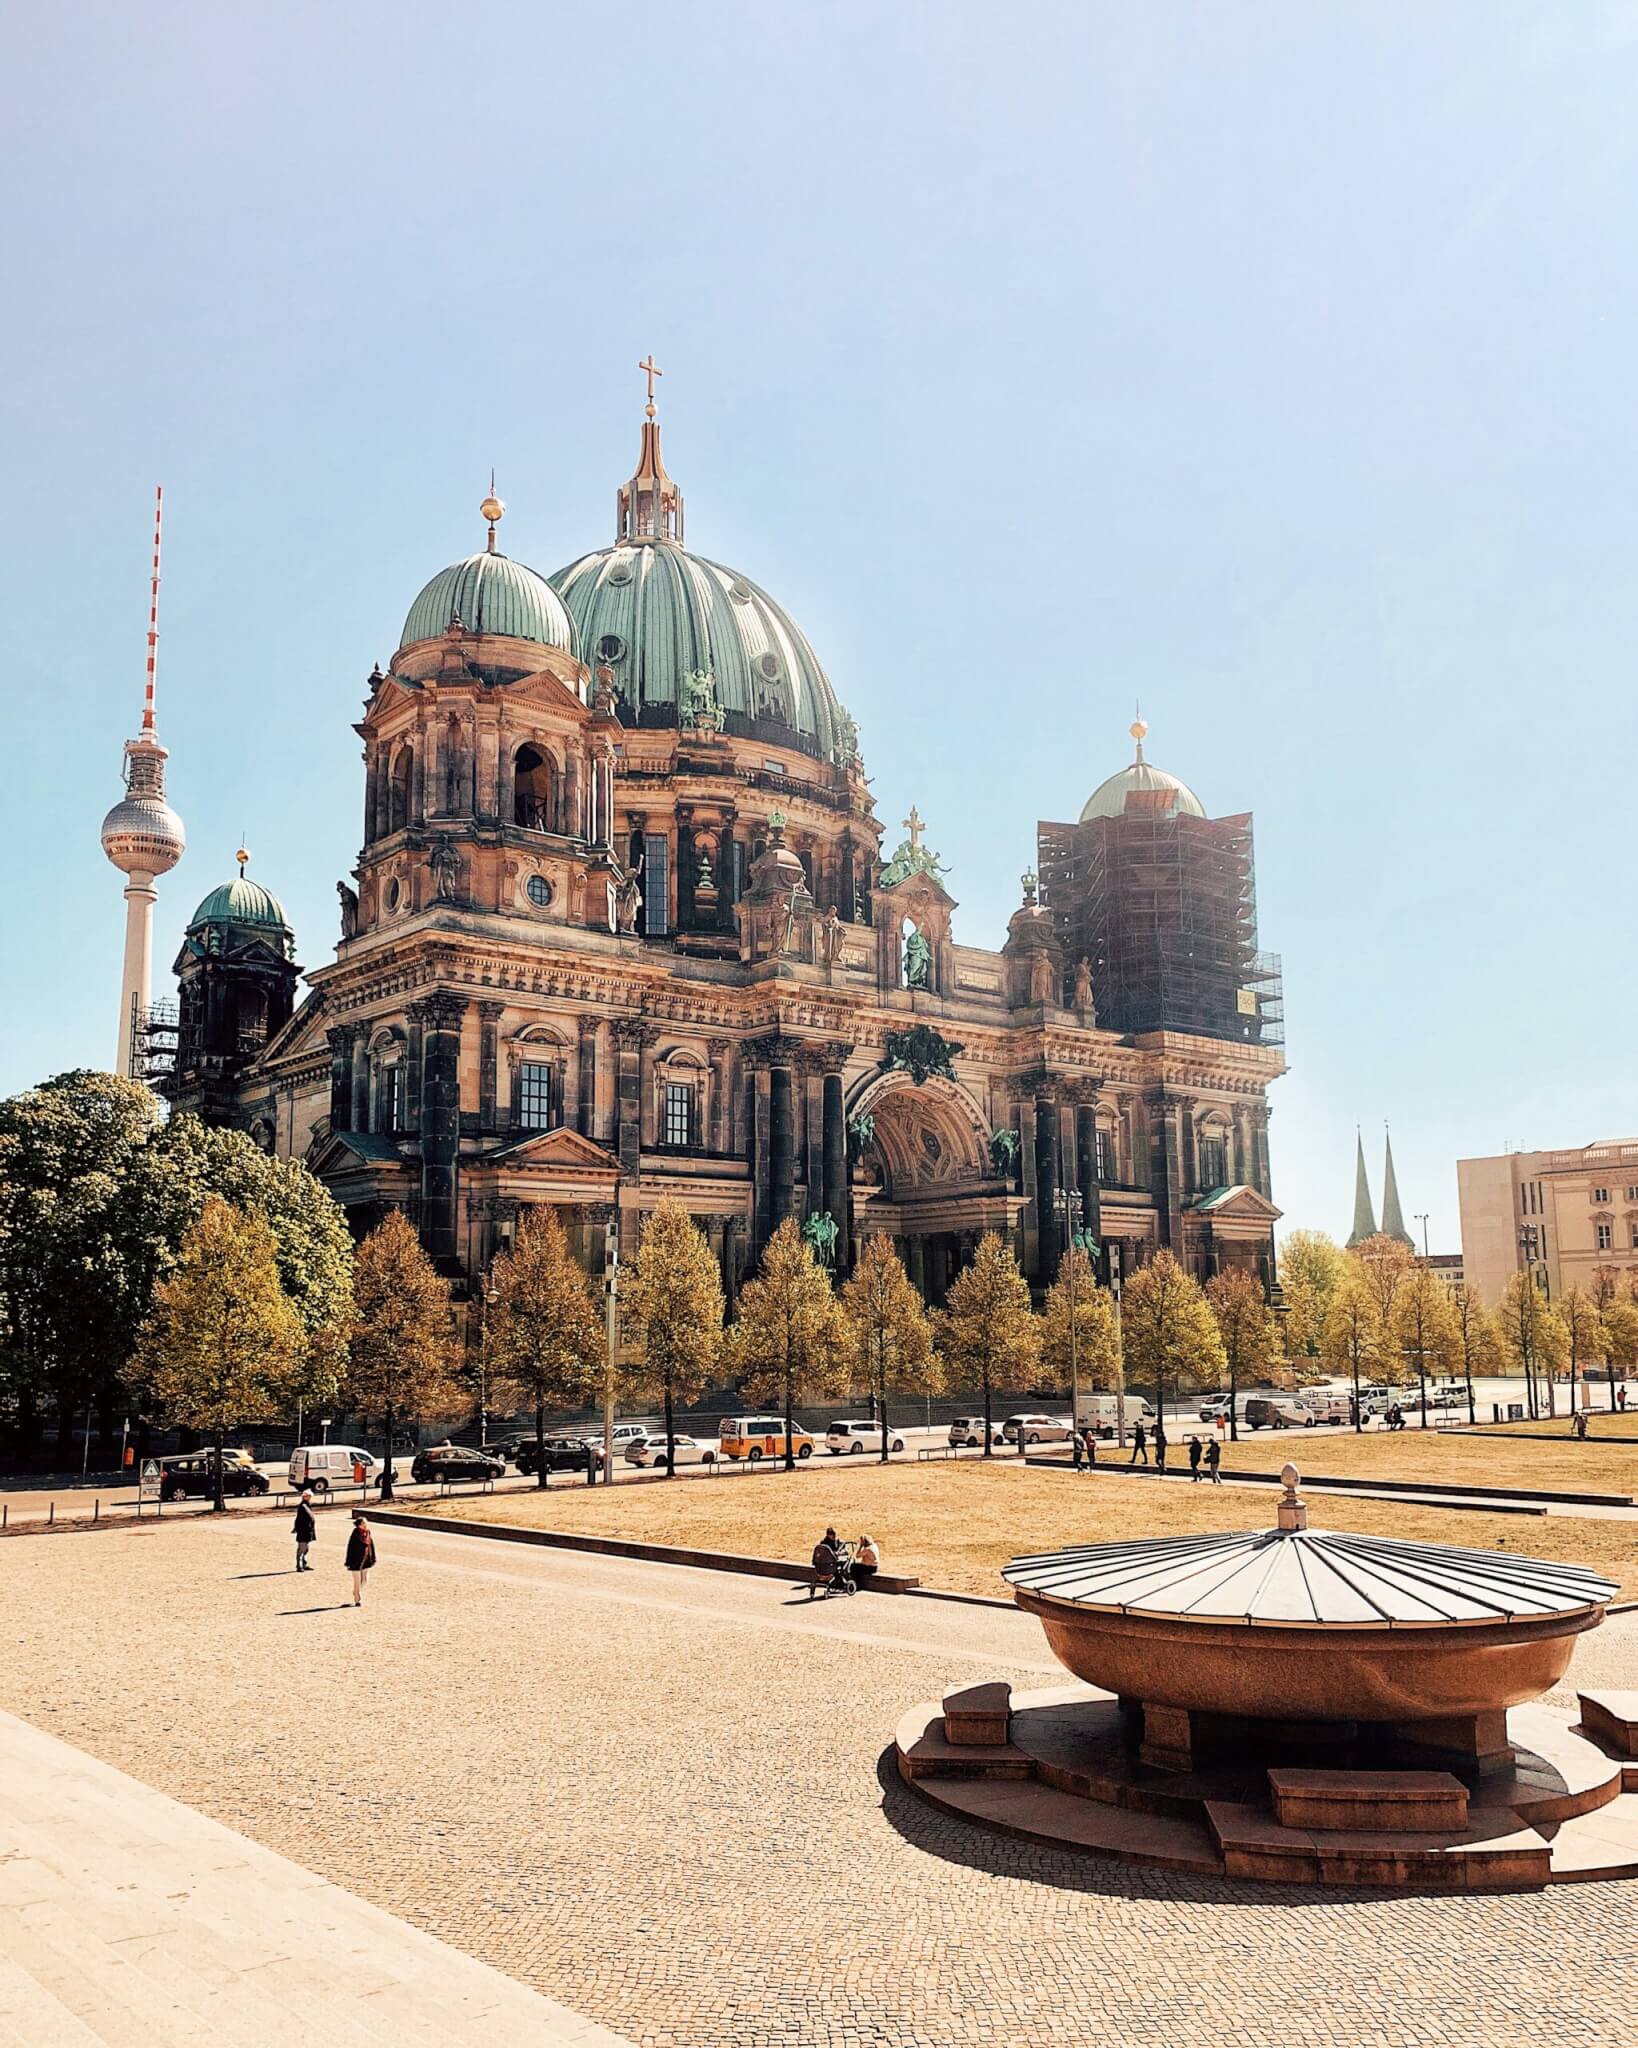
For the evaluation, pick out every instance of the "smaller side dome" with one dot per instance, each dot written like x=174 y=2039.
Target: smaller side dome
x=1142 y=787
x=490 y=593
x=241 y=902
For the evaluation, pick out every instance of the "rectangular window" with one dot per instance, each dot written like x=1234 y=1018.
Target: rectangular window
x=656 y=885
x=535 y=1095
x=679 y=1113
x=1601 y=1196
x=1213 y=1163
x=1605 y=1236
x=1634 y=1231
x=1632 y=1194
x=1106 y=1154
x=391 y=1102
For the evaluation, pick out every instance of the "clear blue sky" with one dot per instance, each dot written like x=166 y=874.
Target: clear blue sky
x=1272 y=364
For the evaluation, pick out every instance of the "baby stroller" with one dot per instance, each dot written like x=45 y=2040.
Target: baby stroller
x=841 y=1578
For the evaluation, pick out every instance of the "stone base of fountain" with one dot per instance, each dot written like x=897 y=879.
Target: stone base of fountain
x=1542 y=1798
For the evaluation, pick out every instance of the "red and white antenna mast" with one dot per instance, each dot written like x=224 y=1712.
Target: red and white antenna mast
x=153 y=616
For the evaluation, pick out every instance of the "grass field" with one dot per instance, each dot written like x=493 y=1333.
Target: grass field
x=956 y=1525
x=1472 y=1458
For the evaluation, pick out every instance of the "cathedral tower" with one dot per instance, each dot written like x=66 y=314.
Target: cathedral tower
x=143 y=837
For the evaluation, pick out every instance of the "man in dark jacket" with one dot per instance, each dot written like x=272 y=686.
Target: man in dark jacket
x=1194 y=1458
x=305 y=1530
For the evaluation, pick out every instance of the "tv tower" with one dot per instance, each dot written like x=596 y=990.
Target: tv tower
x=143 y=837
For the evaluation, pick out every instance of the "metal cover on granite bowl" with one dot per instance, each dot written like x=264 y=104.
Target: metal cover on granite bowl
x=1312 y=1624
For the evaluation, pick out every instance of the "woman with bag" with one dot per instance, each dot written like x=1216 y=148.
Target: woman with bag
x=360 y=1554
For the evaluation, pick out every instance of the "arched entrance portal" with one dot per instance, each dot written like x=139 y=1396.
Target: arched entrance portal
x=925 y=1178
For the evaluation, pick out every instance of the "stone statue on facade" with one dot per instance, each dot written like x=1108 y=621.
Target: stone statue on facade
x=1004 y=1151
x=628 y=902
x=846 y=750
x=1040 y=978
x=1083 y=989
x=830 y=938
x=445 y=864
x=349 y=909
x=697 y=705
x=819 y=1232
x=918 y=959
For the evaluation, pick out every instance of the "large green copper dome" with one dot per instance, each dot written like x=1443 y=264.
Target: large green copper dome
x=241 y=901
x=489 y=593
x=653 y=613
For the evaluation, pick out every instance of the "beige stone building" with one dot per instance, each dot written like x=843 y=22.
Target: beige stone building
x=622 y=927
x=1562 y=1214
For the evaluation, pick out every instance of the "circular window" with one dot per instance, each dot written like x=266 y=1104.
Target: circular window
x=740 y=591
x=619 y=572
x=395 y=892
x=611 y=648
x=768 y=664
x=540 y=891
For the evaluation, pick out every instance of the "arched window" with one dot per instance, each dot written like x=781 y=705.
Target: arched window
x=534 y=785
x=398 y=797
x=1214 y=1156
x=454 y=763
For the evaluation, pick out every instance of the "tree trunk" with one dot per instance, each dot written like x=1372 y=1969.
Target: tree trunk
x=989 y=1425
x=218 y=1499
x=1422 y=1384
x=386 y=1459
x=540 y=1446
x=790 y=1422
x=670 y=1435
x=1234 y=1402
x=1359 y=1416
x=882 y=1383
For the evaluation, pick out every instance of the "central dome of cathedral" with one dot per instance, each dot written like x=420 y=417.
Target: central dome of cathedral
x=652 y=613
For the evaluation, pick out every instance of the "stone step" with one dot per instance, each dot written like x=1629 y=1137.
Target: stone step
x=1600 y=1844
x=1403 y=1801
x=925 y=1751
x=1254 y=1844
x=1033 y=1812
x=978 y=1713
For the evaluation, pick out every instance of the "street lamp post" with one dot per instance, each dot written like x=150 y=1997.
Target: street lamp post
x=1070 y=1201
x=1422 y=1218
x=611 y=1315
x=1529 y=1237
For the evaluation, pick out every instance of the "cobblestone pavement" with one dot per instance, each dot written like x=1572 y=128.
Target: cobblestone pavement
x=659 y=1796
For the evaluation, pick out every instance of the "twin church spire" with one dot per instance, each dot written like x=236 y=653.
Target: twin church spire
x=1393 y=1218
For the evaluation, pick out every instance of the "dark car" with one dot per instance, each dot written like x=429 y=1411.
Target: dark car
x=447 y=1462
x=562 y=1454
x=193 y=1476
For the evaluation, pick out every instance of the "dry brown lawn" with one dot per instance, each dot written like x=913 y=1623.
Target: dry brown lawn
x=1470 y=1458
x=956 y=1525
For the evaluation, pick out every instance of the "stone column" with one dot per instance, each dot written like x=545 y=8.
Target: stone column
x=1086 y=1161
x=719 y=1125
x=412 y=1071
x=586 y=1081
x=489 y=1016
x=341 y=1077
x=440 y=1018
x=1046 y=1180
x=1166 y=1167
x=811 y=1068
x=631 y=1036
x=834 y=1191
x=781 y=1140
x=361 y=1080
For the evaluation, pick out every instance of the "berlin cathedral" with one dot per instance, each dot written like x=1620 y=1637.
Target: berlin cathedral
x=624 y=928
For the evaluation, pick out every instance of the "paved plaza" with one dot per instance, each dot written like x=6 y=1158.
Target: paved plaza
x=659 y=1796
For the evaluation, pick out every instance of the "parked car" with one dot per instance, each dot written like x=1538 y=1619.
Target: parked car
x=1274 y=1411
x=756 y=1437
x=561 y=1454
x=447 y=1462
x=192 y=1475
x=969 y=1430
x=321 y=1466
x=508 y=1447
x=691 y=1450
x=1037 y=1429
x=854 y=1435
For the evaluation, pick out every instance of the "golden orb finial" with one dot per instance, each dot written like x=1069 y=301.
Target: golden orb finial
x=493 y=509
x=1138 y=729
x=243 y=858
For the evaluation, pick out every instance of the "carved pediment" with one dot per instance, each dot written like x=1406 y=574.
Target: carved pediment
x=563 y=1149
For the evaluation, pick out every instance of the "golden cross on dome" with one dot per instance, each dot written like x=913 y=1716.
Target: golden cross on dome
x=652 y=370
x=913 y=825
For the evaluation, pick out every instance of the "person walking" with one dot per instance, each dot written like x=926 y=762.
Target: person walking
x=1160 y=1444
x=360 y=1554
x=1075 y=1447
x=1214 y=1458
x=1140 y=1446
x=1091 y=1448
x=305 y=1531
x=1194 y=1460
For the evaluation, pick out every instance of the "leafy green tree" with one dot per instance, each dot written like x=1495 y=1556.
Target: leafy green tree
x=1383 y=1264
x=1246 y=1325
x=889 y=1336
x=400 y=1352
x=671 y=1306
x=70 y=1305
x=1168 y=1331
x=1424 y=1329
x=1586 y=1335
x=1532 y=1335
x=790 y=1342
x=545 y=1335
x=988 y=1335
x=1353 y=1336
x=1311 y=1264
x=222 y=1340
x=1621 y=1327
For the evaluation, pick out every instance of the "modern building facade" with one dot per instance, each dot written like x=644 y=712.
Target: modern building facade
x=1561 y=1215
x=621 y=928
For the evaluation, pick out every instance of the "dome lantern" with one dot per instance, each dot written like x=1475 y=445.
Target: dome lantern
x=649 y=505
x=1141 y=787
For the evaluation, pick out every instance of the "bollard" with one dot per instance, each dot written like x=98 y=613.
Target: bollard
x=96 y=1509
x=52 y=1516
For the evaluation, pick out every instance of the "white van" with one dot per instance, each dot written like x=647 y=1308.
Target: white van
x=1101 y=1412
x=318 y=1467
x=1326 y=1404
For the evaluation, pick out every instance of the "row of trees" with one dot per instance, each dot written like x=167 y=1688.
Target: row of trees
x=1378 y=1313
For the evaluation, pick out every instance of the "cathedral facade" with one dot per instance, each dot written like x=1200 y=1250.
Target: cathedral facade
x=623 y=928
